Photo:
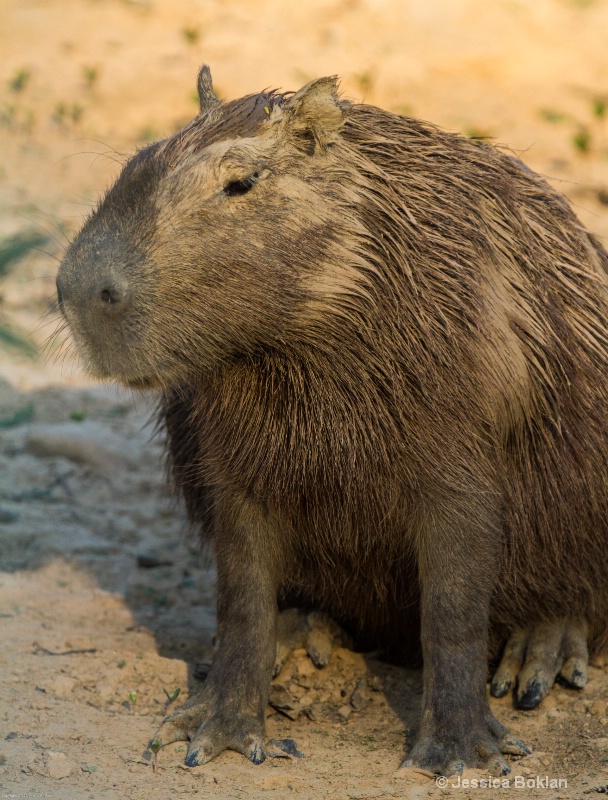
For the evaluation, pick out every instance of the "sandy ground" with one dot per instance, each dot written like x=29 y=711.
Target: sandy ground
x=106 y=605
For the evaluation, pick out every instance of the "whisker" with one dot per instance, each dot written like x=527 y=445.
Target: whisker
x=46 y=253
x=55 y=223
x=44 y=324
x=41 y=226
x=115 y=160
x=87 y=153
x=105 y=144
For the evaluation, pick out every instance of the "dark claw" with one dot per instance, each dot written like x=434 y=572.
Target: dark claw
x=287 y=746
x=192 y=759
x=257 y=755
x=512 y=746
x=500 y=689
x=579 y=680
x=320 y=660
x=534 y=693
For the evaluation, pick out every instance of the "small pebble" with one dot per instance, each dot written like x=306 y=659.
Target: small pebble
x=597 y=708
x=58 y=764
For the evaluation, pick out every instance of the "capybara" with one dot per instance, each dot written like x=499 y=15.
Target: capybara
x=382 y=352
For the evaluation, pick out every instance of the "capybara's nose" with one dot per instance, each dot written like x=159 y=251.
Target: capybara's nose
x=111 y=295
x=106 y=295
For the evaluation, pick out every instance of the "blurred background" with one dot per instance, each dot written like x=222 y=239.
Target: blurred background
x=81 y=79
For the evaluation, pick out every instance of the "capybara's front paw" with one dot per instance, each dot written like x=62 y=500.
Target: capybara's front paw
x=210 y=732
x=446 y=753
x=534 y=657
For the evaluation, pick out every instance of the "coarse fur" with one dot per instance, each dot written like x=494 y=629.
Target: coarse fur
x=383 y=352
x=479 y=335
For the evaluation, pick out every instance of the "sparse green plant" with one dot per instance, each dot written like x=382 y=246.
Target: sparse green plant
x=78 y=416
x=149 y=134
x=599 y=107
x=7 y=115
x=581 y=141
x=13 y=249
x=65 y=113
x=478 y=134
x=19 y=417
x=365 y=80
x=404 y=110
x=90 y=75
x=191 y=34
x=553 y=115
x=20 y=79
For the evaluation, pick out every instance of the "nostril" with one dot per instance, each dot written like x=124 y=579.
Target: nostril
x=111 y=295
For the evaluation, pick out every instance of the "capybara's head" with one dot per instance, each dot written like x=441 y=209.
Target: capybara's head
x=219 y=240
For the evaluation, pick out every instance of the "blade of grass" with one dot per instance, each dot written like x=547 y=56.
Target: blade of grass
x=13 y=248
x=10 y=338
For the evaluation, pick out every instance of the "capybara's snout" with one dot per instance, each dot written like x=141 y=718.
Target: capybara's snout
x=96 y=296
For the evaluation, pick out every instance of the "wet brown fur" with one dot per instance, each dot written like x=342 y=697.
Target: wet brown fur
x=476 y=361
x=384 y=374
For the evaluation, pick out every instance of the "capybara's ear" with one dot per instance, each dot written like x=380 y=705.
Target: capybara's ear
x=206 y=95
x=316 y=112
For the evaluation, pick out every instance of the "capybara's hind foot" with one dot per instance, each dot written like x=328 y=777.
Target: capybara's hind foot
x=535 y=657
x=316 y=632
x=443 y=753
x=208 y=735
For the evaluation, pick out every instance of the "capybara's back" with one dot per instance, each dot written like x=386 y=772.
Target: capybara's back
x=383 y=355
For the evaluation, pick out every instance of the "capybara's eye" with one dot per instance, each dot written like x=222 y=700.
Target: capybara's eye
x=235 y=188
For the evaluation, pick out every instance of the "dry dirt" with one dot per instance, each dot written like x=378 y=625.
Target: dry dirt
x=106 y=605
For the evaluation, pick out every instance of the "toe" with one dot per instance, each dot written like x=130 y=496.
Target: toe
x=172 y=730
x=319 y=648
x=253 y=749
x=495 y=765
x=574 y=673
x=511 y=745
x=576 y=654
x=534 y=685
x=506 y=675
x=455 y=767
x=200 y=751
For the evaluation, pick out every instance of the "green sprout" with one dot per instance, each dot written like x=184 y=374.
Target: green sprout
x=191 y=35
x=20 y=80
x=581 y=141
